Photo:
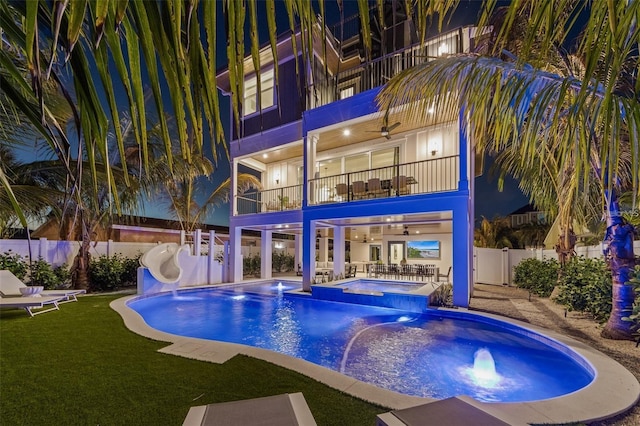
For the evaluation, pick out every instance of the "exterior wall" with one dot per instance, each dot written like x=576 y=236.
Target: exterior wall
x=288 y=108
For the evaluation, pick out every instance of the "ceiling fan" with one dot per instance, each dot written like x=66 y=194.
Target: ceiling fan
x=386 y=130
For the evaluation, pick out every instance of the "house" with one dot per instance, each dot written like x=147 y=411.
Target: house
x=337 y=172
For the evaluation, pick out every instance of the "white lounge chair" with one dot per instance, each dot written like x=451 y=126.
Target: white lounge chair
x=30 y=303
x=288 y=409
x=10 y=286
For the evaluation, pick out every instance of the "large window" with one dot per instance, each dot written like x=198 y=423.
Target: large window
x=267 y=96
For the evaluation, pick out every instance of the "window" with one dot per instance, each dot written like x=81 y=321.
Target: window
x=267 y=83
x=346 y=92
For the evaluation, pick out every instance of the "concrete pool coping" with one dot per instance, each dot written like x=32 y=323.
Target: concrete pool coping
x=613 y=391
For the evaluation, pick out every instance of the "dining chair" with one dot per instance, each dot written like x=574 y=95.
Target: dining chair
x=359 y=189
x=374 y=188
x=342 y=190
x=399 y=184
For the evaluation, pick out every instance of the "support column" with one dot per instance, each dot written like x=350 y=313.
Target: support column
x=462 y=258
x=308 y=254
x=338 y=251
x=235 y=254
x=323 y=252
x=297 y=256
x=265 y=254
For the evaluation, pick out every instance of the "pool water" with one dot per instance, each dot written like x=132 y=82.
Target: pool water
x=380 y=286
x=427 y=355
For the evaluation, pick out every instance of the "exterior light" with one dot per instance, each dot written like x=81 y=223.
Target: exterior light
x=346 y=132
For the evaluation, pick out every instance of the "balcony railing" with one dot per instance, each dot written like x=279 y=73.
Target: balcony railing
x=419 y=177
x=377 y=72
x=271 y=200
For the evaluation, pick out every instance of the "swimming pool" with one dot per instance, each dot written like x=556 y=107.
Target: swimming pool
x=430 y=355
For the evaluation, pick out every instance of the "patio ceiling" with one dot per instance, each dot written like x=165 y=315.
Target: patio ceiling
x=375 y=227
x=361 y=130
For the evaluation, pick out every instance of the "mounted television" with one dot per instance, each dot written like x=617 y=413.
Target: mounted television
x=423 y=249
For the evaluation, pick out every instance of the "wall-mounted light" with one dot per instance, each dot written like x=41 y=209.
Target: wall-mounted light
x=318 y=235
x=434 y=145
x=277 y=178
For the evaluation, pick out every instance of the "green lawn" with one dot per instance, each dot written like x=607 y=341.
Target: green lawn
x=81 y=366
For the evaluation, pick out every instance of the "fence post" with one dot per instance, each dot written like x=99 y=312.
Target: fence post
x=43 y=250
x=197 y=242
x=506 y=272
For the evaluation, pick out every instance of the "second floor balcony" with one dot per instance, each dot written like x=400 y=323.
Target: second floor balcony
x=420 y=177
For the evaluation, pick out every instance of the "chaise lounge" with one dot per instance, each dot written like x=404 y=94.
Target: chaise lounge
x=10 y=286
x=288 y=409
x=30 y=303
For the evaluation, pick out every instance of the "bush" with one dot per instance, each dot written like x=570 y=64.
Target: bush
x=584 y=285
x=130 y=270
x=15 y=263
x=41 y=273
x=537 y=276
x=635 y=314
x=110 y=273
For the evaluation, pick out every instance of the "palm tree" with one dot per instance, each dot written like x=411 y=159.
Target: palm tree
x=585 y=121
x=493 y=233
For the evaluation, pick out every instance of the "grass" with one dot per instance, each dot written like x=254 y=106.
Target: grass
x=81 y=366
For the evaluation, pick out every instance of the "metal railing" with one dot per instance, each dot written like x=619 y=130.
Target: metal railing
x=419 y=177
x=270 y=200
x=377 y=72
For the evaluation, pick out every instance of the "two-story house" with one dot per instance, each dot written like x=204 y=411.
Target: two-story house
x=352 y=183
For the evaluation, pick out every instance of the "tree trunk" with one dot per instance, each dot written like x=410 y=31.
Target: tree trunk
x=619 y=255
x=80 y=268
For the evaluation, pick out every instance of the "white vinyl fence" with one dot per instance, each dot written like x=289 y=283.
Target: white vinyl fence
x=496 y=266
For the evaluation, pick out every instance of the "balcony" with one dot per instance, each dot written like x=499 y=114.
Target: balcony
x=377 y=72
x=270 y=200
x=419 y=177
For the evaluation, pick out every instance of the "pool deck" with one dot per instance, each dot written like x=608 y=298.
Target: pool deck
x=613 y=391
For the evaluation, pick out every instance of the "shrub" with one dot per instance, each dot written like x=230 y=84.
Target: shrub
x=15 y=263
x=635 y=314
x=537 y=276
x=105 y=273
x=130 y=270
x=584 y=285
x=41 y=273
x=443 y=296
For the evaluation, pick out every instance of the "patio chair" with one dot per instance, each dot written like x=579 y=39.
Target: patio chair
x=10 y=286
x=445 y=276
x=452 y=411
x=399 y=184
x=342 y=190
x=277 y=410
x=359 y=190
x=374 y=188
x=30 y=303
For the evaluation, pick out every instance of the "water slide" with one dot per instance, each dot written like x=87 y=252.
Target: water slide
x=163 y=264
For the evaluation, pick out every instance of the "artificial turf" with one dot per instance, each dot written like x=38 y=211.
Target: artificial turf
x=81 y=366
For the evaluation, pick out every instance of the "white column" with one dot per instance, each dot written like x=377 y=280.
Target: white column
x=338 y=251
x=197 y=242
x=43 y=249
x=297 y=251
x=265 y=254
x=235 y=254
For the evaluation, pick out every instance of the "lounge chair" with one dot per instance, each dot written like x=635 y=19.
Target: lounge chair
x=451 y=412
x=277 y=410
x=30 y=303
x=10 y=286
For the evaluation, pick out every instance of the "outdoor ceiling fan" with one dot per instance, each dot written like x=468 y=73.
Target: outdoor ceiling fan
x=386 y=130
